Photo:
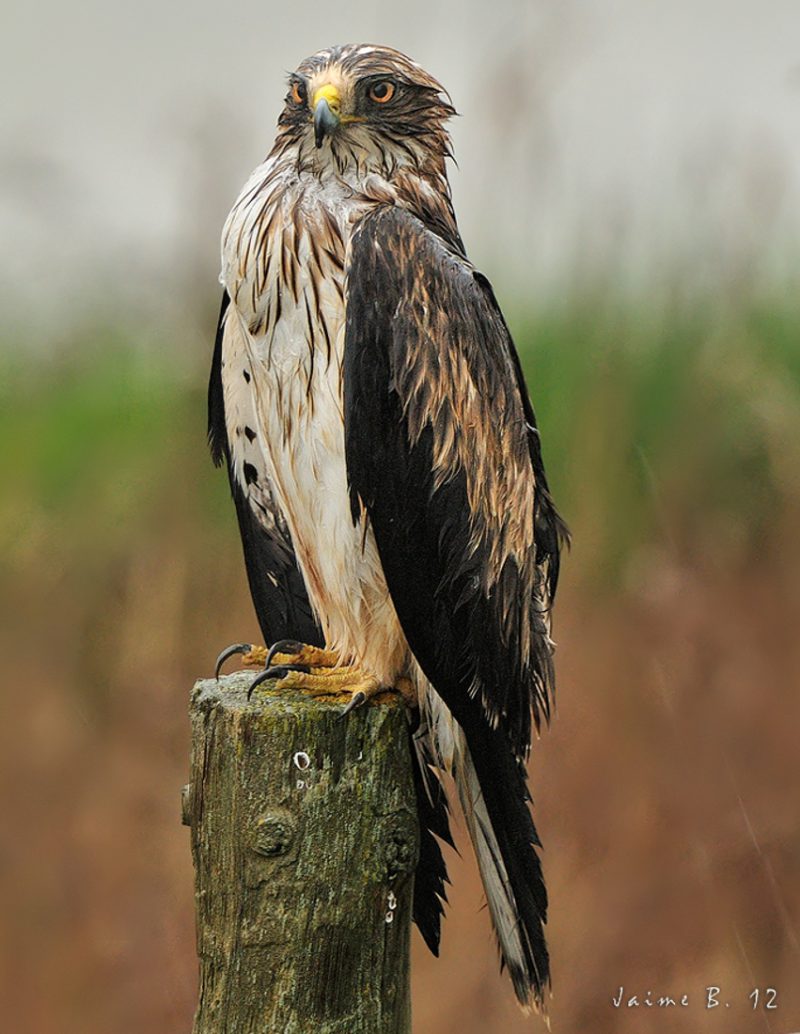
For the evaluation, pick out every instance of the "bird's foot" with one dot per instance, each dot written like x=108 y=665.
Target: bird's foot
x=317 y=672
x=312 y=670
x=287 y=653
x=354 y=684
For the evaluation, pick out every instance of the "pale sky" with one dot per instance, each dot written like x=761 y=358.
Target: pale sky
x=615 y=134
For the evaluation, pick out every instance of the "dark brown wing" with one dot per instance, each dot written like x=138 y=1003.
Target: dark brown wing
x=443 y=452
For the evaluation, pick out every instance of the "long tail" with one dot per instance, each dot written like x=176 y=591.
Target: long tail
x=430 y=893
x=492 y=786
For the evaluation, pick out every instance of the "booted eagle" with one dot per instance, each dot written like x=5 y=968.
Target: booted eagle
x=370 y=407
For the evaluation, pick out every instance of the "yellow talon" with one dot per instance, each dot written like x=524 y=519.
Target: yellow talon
x=325 y=674
x=255 y=657
x=311 y=656
x=325 y=682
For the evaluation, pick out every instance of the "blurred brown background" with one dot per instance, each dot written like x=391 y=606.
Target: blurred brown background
x=644 y=247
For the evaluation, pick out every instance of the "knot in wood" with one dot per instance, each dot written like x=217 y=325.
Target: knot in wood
x=274 y=833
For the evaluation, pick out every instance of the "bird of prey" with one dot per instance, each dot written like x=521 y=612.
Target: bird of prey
x=383 y=455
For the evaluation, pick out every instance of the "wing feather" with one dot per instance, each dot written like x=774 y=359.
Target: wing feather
x=276 y=583
x=443 y=450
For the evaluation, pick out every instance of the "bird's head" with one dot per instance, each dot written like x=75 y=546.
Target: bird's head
x=367 y=107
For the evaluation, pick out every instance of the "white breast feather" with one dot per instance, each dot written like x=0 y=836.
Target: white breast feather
x=295 y=400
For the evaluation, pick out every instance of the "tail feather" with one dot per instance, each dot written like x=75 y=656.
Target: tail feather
x=493 y=791
x=430 y=895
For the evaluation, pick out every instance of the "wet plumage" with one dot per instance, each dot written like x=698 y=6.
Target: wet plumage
x=383 y=456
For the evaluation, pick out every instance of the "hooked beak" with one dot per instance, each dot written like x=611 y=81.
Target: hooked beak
x=326 y=104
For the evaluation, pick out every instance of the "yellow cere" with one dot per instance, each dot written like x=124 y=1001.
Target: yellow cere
x=329 y=93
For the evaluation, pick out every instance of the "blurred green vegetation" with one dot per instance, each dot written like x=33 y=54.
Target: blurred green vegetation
x=678 y=421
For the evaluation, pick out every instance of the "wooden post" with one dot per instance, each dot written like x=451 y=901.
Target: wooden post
x=304 y=839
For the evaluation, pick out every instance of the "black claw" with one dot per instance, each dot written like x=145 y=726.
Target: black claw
x=231 y=651
x=283 y=646
x=356 y=700
x=262 y=677
x=279 y=672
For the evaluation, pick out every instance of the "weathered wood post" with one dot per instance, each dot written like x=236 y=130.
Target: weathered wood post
x=304 y=839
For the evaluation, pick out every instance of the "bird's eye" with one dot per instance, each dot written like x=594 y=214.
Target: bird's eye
x=381 y=92
x=299 y=92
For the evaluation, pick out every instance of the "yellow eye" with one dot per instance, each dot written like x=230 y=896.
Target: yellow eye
x=381 y=92
x=299 y=92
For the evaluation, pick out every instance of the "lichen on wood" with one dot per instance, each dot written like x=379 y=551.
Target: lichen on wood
x=304 y=839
